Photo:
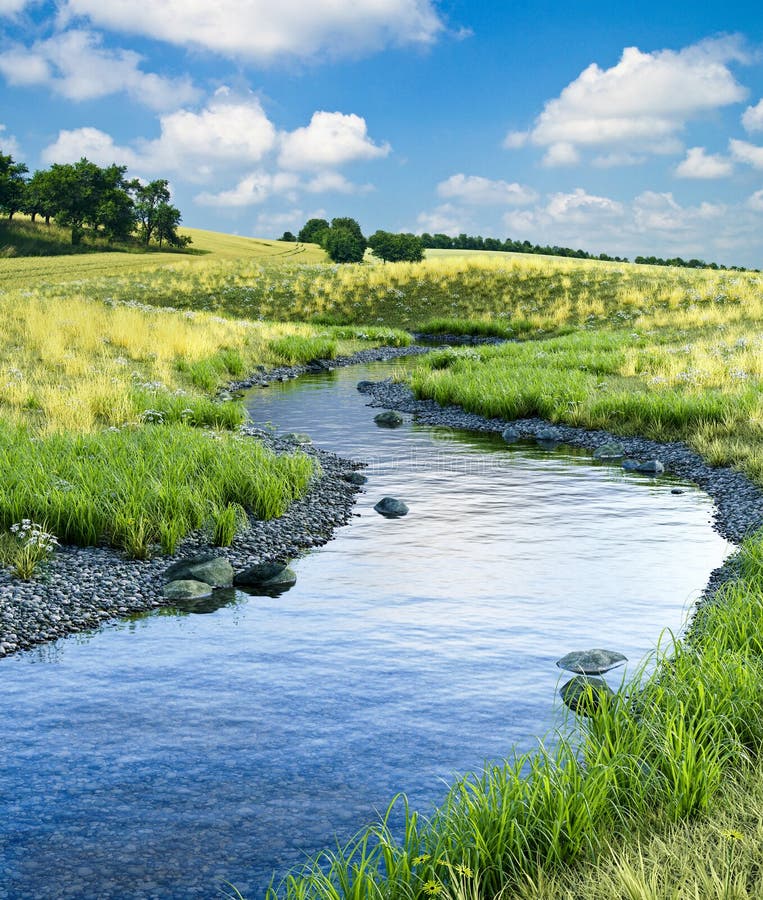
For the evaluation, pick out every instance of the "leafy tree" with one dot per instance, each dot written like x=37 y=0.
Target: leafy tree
x=12 y=184
x=350 y=224
x=344 y=245
x=396 y=247
x=115 y=210
x=148 y=198
x=75 y=195
x=288 y=237
x=39 y=197
x=167 y=218
x=313 y=231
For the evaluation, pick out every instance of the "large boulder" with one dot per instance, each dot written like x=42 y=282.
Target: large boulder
x=548 y=438
x=211 y=569
x=511 y=434
x=366 y=387
x=630 y=465
x=186 y=589
x=355 y=478
x=389 y=419
x=591 y=662
x=391 y=508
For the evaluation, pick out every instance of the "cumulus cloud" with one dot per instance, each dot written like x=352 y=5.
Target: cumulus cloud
x=334 y=182
x=478 y=191
x=331 y=139
x=748 y=153
x=257 y=187
x=11 y=7
x=444 y=219
x=752 y=118
x=643 y=102
x=76 y=66
x=276 y=223
x=93 y=143
x=263 y=31
x=8 y=143
x=699 y=164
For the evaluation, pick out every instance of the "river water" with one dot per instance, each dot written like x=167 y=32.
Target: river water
x=164 y=756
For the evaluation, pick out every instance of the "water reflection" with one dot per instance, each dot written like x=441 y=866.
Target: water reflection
x=223 y=741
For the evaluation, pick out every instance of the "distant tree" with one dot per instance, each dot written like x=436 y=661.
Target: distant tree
x=348 y=223
x=12 y=184
x=75 y=195
x=148 y=198
x=39 y=196
x=167 y=218
x=115 y=209
x=396 y=247
x=313 y=231
x=288 y=237
x=344 y=245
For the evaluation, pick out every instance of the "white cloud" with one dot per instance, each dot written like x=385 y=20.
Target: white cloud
x=96 y=145
x=257 y=187
x=334 y=182
x=579 y=206
x=747 y=153
x=516 y=139
x=76 y=66
x=444 y=219
x=562 y=153
x=264 y=31
x=756 y=201
x=11 y=7
x=8 y=144
x=478 y=191
x=699 y=164
x=331 y=139
x=752 y=118
x=660 y=212
x=643 y=102
x=276 y=223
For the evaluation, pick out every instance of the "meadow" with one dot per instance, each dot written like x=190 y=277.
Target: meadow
x=109 y=359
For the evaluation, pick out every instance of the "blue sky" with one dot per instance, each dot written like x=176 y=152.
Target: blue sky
x=626 y=128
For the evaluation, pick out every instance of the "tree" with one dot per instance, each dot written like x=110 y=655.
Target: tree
x=288 y=237
x=148 y=198
x=75 y=195
x=167 y=218
x=313 y=231
x=39 y=197
x=344 y=245
x=396 y=247
x=115 y=210
x=12 y=184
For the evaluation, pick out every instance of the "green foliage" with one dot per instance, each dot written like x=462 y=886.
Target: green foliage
x=396 y=247
x=25 y=546
x=295 y=350
x=12 y=184
x=313 y=231
x=140 y=487
x=344 y=241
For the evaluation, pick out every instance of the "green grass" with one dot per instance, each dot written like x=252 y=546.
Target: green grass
x=658 y=753
x=143 y=488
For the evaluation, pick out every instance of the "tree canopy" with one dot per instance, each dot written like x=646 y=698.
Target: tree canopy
x=392 y=247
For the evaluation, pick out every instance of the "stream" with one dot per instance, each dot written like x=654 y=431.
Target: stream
x=163 y=756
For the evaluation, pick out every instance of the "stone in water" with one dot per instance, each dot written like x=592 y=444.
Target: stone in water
x=591 y=662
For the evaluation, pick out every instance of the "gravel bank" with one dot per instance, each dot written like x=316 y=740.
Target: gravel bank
x=81 y=588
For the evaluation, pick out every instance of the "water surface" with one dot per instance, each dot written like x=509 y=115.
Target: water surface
x=164 y=756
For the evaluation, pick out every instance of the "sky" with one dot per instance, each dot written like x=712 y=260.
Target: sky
x=625 y=128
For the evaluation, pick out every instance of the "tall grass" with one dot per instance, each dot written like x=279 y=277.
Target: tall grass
x=657 y=752
x=144 y=486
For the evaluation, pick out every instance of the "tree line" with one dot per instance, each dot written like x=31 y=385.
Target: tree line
x=83 y=196
x=344 y=241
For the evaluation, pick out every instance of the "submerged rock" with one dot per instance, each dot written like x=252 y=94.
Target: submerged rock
x=298 y=437
x=391 y=508
x=583 y=694
x=630 y=465
x=211 y=569
x=355 y=478
x=548 y=438
x=609 y=450
x=651 y=467
x=186 y=589
x=365 y=386
x=389 y=419
x=511 y=434
x=266 y=576
x=591 y=662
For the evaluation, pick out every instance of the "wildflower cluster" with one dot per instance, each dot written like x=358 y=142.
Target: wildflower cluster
x=26 y=546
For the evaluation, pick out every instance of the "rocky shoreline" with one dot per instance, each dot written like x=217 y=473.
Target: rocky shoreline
x=82 y=588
